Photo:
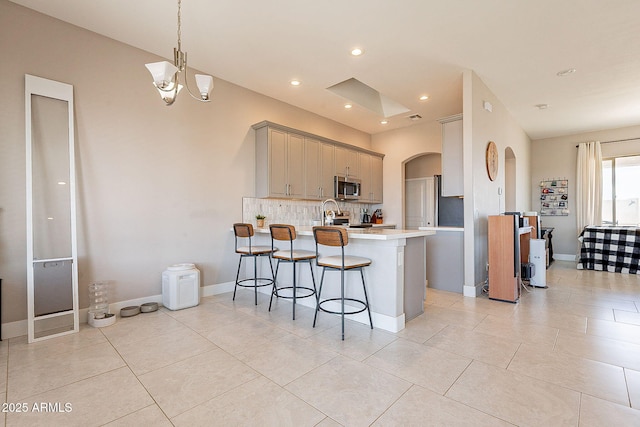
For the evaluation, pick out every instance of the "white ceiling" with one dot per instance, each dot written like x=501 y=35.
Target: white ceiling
x=412 y=47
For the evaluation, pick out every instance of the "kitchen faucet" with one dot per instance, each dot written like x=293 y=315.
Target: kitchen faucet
x=322 y=206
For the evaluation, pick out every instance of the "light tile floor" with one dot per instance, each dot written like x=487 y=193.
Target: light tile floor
x=566 y=355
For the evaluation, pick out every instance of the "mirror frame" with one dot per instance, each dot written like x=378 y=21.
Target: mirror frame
x=63 y=92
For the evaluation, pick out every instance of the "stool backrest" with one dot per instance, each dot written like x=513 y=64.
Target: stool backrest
x=282 y=232
x=331 y=236
x=243 y=230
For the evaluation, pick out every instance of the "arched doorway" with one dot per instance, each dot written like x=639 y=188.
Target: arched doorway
x=419 y=202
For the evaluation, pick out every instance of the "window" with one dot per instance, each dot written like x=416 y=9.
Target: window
x=621 y=191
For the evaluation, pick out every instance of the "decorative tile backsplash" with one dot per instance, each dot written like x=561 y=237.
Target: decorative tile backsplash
x=295 y=212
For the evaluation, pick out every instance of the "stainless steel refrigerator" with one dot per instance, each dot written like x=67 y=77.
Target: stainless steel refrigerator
x=449 y=210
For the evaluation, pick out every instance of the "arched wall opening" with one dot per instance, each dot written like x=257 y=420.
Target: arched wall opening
x=509 y=180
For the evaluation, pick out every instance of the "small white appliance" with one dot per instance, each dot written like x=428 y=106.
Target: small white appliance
x=538 y=257
x=181 y=286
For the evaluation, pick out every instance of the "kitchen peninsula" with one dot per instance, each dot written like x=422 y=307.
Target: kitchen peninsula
x=396 y=281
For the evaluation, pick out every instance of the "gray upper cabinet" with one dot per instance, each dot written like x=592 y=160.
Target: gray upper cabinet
x=347 y=162
x=370 y=178
x=280 y=163
x=296 y=164
x=452 y=167
x=319 y=165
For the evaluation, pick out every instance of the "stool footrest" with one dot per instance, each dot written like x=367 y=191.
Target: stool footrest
x=311 y=292
x=364 y=304
x=269 y=282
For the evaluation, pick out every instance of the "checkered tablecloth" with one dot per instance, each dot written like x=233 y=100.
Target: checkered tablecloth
x=613 y=249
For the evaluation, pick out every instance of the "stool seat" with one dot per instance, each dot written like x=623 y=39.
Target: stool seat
x=350 y=261
x=250 y=250
x=295 y=255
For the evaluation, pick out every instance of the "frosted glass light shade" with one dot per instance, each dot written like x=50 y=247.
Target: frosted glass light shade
x=169 y=96
x=205 y=85
x=163 y=73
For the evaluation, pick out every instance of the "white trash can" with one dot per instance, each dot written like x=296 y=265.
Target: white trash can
x=181 y=286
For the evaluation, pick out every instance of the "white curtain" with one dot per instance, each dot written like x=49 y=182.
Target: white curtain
x=589 y=185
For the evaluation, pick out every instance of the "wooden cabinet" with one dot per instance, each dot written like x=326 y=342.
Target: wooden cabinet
x=319 y=169
x=370 y=178
x=452 y=166
x=280 y=163
x=503 y=252
x=347 y=162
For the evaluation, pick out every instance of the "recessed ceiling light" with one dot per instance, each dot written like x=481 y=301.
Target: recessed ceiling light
x=295 y=82
x=61 y=183
x=541 y=106
x=424 y=98
x=384 y=122
x=348 y=106
x=566 y=72
x=357 y=51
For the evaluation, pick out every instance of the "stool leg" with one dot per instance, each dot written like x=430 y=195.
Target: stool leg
x=274 y=290
x=366 y=298
x=294 y=290
x=342 y=299
x=237 y=277
x=255 y=278
x=313 y=280
x=315 y=316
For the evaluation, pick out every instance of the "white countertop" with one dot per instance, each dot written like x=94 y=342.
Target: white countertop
x=363 y=233
x=441 y=228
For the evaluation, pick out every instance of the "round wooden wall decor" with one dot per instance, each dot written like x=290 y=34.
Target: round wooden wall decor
x=492 y=160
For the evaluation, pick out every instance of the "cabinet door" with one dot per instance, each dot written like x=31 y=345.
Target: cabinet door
x=327 y=169
x=277 y=163
x=365 y=178
x=415 y=191
x=295 y=166
x=376 y=179
x=312 y=164
x=346 y=162
x=452 y=170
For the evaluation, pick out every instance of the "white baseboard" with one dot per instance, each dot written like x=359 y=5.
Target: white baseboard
x=564 y=257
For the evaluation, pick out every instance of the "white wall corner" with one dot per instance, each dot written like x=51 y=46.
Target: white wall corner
x=472 y=291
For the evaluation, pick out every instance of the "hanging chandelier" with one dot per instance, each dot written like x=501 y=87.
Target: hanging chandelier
x=166 y=76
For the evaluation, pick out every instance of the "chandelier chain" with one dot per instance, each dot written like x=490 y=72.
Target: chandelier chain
x=179 y=26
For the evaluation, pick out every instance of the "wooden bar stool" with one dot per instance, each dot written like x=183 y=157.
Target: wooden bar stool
x=337 y=236
x=245 y=232
x=284 y=232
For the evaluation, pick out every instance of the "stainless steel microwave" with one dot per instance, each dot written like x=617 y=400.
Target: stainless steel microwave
x=346 y=188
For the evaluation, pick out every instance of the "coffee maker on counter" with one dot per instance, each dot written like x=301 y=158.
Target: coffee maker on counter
x=365 y=218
